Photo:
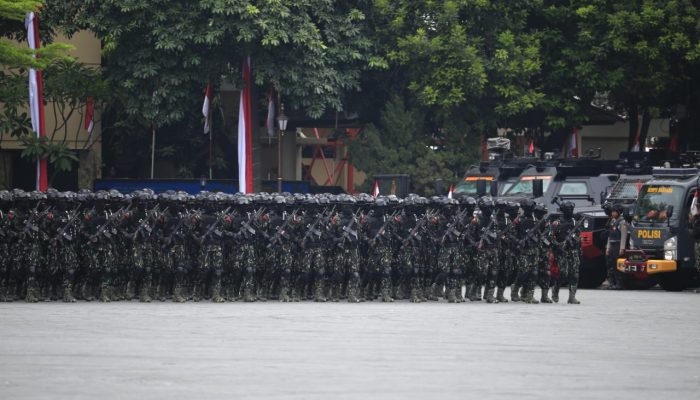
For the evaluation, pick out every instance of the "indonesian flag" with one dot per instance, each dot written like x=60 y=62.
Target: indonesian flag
x=375 y=189
x=452 y=190
x=635 y=146
x=245 y=130
x=206 y=109
x=270 y=121
x=531 y=149
x=36 y=101
x=89 y=115
x=694 y=204
x=573 y=144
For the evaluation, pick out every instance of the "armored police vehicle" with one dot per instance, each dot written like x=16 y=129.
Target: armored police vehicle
x=584 y=181
x=635 y=169
x=661 y=246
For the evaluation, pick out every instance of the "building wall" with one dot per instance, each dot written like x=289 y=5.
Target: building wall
x=612 y=139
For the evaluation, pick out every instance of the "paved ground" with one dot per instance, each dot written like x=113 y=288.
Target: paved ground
x=616 y=345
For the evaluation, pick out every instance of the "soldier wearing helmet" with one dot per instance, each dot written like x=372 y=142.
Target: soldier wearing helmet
x=616 y=245
x=567 y=249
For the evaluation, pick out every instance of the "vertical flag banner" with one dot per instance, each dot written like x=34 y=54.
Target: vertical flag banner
x=531 y=149
x=206 y=109
x=245 y=145
x=375 y=189
x=694 y=204
x=270 y=121
x=36 y=101
x=89 y=115
x=573 y=144
x=636 y=146
x=452 y=190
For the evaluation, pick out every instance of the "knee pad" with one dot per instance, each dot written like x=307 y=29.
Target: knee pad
x=249 y=271
x=218 y=272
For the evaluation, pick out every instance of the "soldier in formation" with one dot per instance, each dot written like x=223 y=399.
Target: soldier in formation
x=108 y=246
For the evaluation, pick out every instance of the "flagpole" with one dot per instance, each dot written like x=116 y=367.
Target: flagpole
x=153 y=148
x=211 y=128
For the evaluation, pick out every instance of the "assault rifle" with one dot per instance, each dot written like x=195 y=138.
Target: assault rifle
x=63 y=232
x=414 y=232
x=213 y=228
x=312 y=228
x=246 y=225
x=182 y=220
x=349 y=234
x=451 y=228
x=145 y=223
x=380 y=232
x=531 y=235
x=281 y=230
x=102 y=229
x=487 y=234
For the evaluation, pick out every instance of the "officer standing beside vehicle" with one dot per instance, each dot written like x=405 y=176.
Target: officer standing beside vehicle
x=617 y=244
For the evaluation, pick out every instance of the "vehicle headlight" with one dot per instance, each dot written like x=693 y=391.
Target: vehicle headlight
x=585 y=223
x=669 y=255
x=671 y=243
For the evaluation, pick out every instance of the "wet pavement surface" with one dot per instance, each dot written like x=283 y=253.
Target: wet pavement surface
x=616 y=345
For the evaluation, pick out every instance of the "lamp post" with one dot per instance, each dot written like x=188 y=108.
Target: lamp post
x=282 y=122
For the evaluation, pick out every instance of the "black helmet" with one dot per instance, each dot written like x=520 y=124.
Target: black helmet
x=619 y=208
x=485 y=203
x=512 y=209
x=527 y=205
x=567 y=208
x=607 y=208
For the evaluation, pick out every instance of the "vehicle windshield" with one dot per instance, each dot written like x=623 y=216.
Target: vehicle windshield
x=524 y=185
x=626 y=189
x=503 y=188
x=468 y=184
x=654 y=200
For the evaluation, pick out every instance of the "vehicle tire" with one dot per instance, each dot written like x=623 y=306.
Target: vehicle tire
x=592 y=273
x=673 y=281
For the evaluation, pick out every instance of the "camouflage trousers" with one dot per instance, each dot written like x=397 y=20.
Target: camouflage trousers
x=59 y=276
x=450 y=272
x=243 y=262
x=97 y=281
x=312 y=274
x=380 y=270
x=211 y=264
x=568 y=260
x=141 y=273
x=347 y=270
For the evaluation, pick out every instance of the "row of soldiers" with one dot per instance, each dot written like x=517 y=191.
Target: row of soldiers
x=109 y=246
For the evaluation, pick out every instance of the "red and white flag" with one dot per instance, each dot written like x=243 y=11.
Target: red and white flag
x=452 y=190
x=206 y=109
x=36 y=101
x=270 y=121
x=245 y=130
x=531 y=149
x=375 y=189
x=573 y=144
x=635 y=146
x=89 y=115
x=694 y=204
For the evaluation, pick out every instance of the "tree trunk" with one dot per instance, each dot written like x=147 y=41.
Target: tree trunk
x=633 y=117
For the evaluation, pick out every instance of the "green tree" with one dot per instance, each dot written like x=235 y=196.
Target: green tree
x=160 y=54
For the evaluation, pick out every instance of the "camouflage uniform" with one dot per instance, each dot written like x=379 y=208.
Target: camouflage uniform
x=567 y=252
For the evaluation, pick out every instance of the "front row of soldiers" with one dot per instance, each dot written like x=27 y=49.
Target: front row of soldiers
x=110 y=246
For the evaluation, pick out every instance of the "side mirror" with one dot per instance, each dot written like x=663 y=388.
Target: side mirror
x=494 y=189
x=669 y=211
x=537 y=188
x=481 y=187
